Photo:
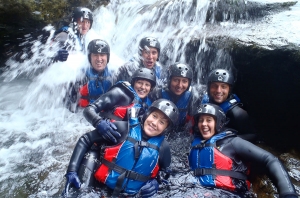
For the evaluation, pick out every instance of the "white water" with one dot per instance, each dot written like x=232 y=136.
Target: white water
x=38 y=134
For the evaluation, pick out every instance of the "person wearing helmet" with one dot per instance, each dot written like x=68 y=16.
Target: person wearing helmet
x=179 y=91
x=148 y=56
x=113 y=105
x=131 y=165
x=220 y=159
x=67 y=38
x=97 y=79
x=219 y=91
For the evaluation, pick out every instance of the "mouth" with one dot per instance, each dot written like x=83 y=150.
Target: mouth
x=205 y=130
x=141 y=91
x=152 y=128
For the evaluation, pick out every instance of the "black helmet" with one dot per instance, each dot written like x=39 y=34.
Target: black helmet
x=221 y=75
x=213 y=110
x=144 y=73
x=168 y=108
x=149 y=42
x=81 y=12
x=98 y=46
x=181 y=70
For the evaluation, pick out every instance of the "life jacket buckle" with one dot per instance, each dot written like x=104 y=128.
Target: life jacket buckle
x=142 y=143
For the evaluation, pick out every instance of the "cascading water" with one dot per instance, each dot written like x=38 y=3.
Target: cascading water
x=38 y=134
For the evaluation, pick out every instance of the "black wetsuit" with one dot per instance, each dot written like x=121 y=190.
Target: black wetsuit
x=240 y=121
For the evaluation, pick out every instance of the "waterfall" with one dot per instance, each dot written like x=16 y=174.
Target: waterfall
x=38 y=134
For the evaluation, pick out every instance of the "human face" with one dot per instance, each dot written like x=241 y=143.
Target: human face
x=99 y=61
x=179 y=85
x=207 y=126
x=142 y=88
x=83 y=26
x=219 y=91
x=150 y=57
x=155 y=123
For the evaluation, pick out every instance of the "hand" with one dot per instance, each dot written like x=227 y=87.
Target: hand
x=149 y=189
x=72 y=179
x=108 y=131
x=62 y=55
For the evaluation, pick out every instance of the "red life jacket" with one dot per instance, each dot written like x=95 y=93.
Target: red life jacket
x=215 y=169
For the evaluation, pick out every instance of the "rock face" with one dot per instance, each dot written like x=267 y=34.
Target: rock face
x=264 y=59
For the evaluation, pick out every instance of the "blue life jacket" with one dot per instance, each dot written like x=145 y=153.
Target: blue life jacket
x=129 y=165
x=211 y=166
x=182 y=104
x=226 y=105
x=98 y=85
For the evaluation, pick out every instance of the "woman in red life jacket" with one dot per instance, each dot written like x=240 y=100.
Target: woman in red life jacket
x=220 y=159
x=130 y=165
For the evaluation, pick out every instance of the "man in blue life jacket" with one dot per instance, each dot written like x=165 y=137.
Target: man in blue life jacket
x=148 y=56
x=130 y=155
x=219 y=91
x=96 y=80
x=180 y=92
x=69 y=37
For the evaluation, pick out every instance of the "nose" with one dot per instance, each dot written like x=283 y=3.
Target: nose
x=219 y=89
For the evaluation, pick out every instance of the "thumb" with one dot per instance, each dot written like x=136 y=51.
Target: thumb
x=77 y=183
x=65 y=193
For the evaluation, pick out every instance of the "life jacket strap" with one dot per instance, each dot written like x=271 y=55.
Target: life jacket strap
x=124 y=173
x=210 y=171
x=138 y=144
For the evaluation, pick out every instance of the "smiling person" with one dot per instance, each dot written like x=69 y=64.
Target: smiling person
x=220 y=159
x=129 y=166
x=96 y=81
x=113 y=105
x=220 y=92
x=148 y=56
x=67 y=37
x=179 y=91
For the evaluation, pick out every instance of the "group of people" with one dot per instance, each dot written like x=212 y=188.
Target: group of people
x=132 y=114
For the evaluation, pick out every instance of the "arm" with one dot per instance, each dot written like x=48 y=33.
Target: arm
x=106 y=102
x=249 y=152
x=164 y=156
x=125 y=71
x=83 y=145
x=240 y=120
x=155 y=94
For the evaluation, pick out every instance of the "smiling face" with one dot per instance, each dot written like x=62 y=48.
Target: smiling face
x=155 y=123
x=207 y=126
x=219 y=91
x=98 y=61
x=178 y=85
x=150 y=57
x=84 y=26
x=142 y=88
